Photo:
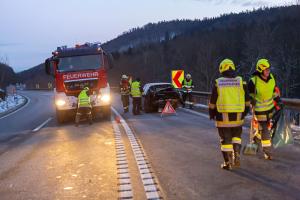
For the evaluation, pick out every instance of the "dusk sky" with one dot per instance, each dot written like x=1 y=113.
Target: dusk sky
x=31 y=29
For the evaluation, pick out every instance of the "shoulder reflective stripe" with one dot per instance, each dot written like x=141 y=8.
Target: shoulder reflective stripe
x=236 y=140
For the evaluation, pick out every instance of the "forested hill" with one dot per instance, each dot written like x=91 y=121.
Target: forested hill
x=272 y=33
x=36 y=75
x=197 y=46
x=151 y=32
x=7 y=75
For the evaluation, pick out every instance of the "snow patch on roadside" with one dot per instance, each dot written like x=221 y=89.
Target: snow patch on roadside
x=295 y=128
x=11 y=102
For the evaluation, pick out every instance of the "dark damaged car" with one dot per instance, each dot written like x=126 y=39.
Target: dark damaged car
x=155 y=96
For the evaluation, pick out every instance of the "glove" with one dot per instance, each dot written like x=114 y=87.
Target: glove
x=212 y=114
x=245 y=112
x=253 y=102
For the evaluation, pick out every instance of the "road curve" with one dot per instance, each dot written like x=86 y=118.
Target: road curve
x=181 y=151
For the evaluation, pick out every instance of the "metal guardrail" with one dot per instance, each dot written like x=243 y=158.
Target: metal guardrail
x=288 y=102
x=292 y=105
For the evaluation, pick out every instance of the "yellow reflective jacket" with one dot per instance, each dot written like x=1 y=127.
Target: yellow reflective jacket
x=135 y=89
x=264 y=93
x=231 y=95
x=84 y=99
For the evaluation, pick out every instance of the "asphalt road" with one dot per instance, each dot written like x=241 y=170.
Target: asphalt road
x=65 y=162
x=38 y=109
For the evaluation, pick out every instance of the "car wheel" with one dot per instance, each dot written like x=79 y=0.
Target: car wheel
x=147 y=106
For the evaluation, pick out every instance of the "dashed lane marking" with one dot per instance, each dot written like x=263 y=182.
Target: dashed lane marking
x=42 y=125
x=124 y=182
x=147 y=176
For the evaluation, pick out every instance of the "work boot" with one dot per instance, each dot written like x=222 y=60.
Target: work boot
x=227 y=160
x=236 y=159
x=226 y=166
x=267 y=153
x=268 y=156
x=236 y=156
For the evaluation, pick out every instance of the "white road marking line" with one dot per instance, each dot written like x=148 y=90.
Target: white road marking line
x=28 y=101
x=195 y=112
x=207 y=116
x=125 y=188
x=42 y=125
x=141 y=161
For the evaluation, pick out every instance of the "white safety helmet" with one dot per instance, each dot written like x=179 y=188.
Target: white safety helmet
x=124 y=76
x=188 y=76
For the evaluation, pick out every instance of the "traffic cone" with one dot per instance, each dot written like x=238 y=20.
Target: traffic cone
x=118 y=119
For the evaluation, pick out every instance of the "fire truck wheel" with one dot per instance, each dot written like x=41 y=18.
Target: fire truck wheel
x=106 y=113
x=60 y=116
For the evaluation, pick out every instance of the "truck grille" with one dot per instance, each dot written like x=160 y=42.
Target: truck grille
x=79 y=85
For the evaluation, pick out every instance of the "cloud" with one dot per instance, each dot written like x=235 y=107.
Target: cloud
x=251 y=3
x=248 y=3
x=9 y=44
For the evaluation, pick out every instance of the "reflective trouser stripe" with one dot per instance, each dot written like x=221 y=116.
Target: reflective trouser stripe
x=229 y=123
x=227 y=147
x=265 y=143
x=261 y=117
x=236 y=140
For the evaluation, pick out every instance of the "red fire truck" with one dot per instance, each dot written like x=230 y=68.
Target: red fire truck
x=75 y=68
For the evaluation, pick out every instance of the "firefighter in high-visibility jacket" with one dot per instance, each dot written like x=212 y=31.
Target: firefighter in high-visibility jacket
x=136 y=94
x=229 y=103
x=262 y=89
x=84 y=106
x=187 y=86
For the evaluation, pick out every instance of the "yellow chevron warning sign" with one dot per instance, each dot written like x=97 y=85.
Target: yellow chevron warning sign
x=177 y=78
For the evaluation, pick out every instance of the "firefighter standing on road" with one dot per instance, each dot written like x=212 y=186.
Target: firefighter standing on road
x=187 y=85
x=125 y=91
x=136 y=94
x=84 y=106
x=262 y=89
x=229 y=103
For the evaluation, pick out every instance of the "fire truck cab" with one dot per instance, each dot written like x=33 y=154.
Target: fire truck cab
x=75 y=68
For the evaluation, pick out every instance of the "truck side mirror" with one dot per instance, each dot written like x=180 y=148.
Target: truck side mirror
x=110 y=61
x=49 y=66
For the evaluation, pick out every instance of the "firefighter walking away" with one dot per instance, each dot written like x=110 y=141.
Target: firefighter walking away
x=229 y=103
x=84 y=106
x=125 y=92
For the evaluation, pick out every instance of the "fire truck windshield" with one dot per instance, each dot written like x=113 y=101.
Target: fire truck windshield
x=78 y=63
